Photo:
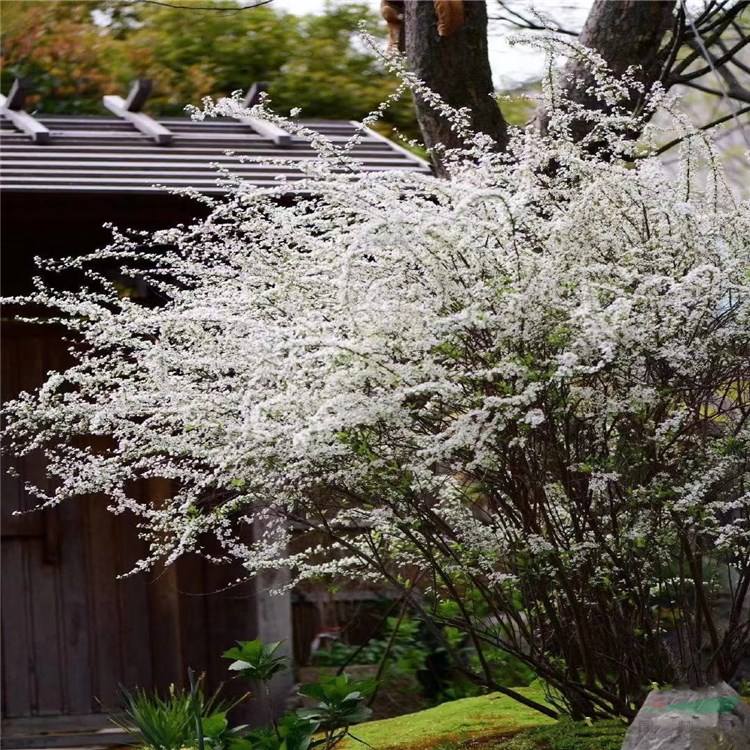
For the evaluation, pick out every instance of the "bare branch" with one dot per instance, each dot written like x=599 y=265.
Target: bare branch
x=705 y=23
x=741 y=94
x=717 y=28
x=217 y=9
x=521 y=21
x=732 y=87
x=709 y=10
x=714 y=63
x=708 y=126
x=744 y=68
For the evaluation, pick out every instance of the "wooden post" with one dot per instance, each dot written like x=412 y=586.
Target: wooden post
x=273 y=617
x=17 y=94
x=139 y=92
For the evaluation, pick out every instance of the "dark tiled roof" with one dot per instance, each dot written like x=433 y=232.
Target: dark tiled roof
x=106 y=154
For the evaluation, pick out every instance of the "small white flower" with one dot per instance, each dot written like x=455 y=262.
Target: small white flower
x=534 y=417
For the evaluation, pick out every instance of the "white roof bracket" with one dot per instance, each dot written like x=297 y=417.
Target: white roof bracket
x=11 y=107
x=130 y=109
x=264 y=128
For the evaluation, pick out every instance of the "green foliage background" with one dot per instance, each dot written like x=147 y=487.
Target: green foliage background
x=75 y=52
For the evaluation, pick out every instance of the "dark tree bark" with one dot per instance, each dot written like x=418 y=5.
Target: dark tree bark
x=652 y=34
x=624 y=33
x=456 y=67
x=710 y=41
x=630 y=32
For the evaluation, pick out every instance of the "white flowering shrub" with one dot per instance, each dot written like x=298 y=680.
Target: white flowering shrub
x=522 y=395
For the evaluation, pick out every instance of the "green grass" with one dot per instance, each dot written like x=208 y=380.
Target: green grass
x=448 y=725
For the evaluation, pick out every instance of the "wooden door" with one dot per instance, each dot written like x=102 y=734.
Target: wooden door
x=72 y=631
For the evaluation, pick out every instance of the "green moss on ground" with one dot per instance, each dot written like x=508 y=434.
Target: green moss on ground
x=568 y=735
x=448 y=725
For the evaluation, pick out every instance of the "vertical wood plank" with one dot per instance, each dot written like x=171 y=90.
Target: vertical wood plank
x=273 y=618
x=164 y=605
x=104 y=622
x=75 y=620
x=16 y=646
x=193 y=619
x=17 y=662
x=167 y=664
x=232 y=616
x=218 y=635
x=47 y=667
x=133 y=603
x=41 y=354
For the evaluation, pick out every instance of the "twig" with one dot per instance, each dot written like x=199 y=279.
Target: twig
x=350 y=659
x=710 y=125
x=733 y=92
x=387 y=652
x=717 y=62
x=218 y=9
x=523 y=22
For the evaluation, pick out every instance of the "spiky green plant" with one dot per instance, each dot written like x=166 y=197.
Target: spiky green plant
x=169 y=722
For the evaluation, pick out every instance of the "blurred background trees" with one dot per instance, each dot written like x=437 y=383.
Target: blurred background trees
x=75 y=52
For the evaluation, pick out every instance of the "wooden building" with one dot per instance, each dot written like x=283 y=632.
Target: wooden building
x=72 y=631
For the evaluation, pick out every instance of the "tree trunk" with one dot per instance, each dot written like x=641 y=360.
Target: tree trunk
x=456 y=67
x=624 y=33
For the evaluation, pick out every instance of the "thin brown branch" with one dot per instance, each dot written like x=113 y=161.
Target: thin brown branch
x=714 y=63
x=739 y=93
x=718 y=18
x=214 y=8
x=521 y=21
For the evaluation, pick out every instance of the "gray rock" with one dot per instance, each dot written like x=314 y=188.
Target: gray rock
x=712 y=718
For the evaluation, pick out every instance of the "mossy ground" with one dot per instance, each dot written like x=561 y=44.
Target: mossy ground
x=567 y=735
x=453 y=725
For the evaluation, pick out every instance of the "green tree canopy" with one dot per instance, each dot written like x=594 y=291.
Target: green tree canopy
x=75 y=52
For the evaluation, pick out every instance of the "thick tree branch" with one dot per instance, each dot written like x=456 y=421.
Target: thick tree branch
x=744 y=68
x=624 y=33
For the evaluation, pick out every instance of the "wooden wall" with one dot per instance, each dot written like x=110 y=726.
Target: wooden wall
x=72 y=632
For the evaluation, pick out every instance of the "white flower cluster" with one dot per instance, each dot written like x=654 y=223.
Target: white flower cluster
x=549 y=350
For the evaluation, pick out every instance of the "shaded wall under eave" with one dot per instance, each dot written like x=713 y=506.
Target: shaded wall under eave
x=72 y=632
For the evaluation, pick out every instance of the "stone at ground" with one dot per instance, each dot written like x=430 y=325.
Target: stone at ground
x=711 y=718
